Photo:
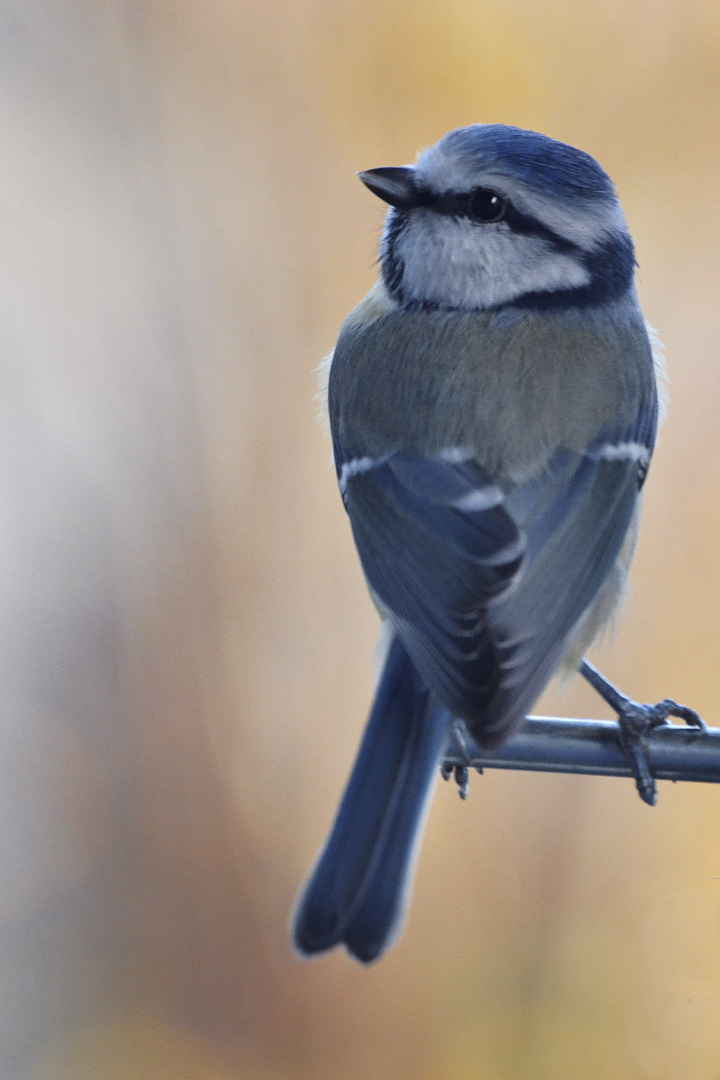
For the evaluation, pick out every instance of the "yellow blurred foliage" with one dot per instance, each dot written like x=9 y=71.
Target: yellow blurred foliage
x=420 y=68
x=134 y=1048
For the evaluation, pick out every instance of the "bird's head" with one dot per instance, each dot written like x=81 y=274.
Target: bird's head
x=493 y=215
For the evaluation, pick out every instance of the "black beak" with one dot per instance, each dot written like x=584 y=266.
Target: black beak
x=394 y=185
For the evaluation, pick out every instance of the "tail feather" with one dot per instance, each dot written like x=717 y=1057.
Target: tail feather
x=356 y=893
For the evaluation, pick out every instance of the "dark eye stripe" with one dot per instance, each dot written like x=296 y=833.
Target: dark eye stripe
x=464 y=204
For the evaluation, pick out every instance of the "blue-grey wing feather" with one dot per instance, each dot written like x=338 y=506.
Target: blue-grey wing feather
x=484 y=586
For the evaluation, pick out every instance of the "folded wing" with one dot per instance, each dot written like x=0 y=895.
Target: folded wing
x=484 y=583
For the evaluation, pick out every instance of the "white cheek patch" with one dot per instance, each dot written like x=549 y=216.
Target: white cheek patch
x=457 y=264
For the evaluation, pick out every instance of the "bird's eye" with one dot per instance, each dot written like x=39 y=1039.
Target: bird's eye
x=487 y=205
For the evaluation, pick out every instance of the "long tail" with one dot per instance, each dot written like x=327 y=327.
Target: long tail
x=357 y=891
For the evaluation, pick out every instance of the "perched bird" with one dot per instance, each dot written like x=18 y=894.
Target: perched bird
x=493 y=405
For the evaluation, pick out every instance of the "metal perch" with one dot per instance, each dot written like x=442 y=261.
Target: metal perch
x=595 y=747
x=555 y=744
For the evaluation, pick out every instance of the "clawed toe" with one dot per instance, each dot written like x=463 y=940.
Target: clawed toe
x=635 y=722
x=458 y=747
x=668 y=707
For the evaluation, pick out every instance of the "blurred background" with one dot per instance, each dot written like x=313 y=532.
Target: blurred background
x=185 y=667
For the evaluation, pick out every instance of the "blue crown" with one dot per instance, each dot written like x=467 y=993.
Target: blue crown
x=536 y=159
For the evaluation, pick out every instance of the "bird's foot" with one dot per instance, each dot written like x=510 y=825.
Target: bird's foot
x=458 y=744
x=635 y=722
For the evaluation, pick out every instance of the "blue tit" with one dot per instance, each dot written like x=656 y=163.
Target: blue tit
x=493 y=404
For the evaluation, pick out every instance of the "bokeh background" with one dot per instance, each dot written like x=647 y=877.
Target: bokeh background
x=185 y=666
